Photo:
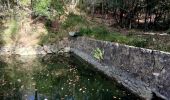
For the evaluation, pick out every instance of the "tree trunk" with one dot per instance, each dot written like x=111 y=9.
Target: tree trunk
x=102 y=10
x=146 y=23
x=8 y=4
x=146 y=17
x=93 y=9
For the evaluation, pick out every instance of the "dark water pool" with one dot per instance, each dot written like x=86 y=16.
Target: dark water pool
x=56 y=78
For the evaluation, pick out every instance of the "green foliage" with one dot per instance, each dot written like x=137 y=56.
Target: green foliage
x=98 y=54
x=117 y=37
x=162 y=47
x=138 y=42
x=102 y=34
x=98 y=31
x=49 y=8
x=85 y=31
x=14 y=29
x=41 y=7
x=57 y=5
x=73 y=20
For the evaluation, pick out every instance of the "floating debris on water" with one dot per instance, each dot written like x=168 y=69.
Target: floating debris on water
x=80 y=89
x=61 y=78
x=19 y=80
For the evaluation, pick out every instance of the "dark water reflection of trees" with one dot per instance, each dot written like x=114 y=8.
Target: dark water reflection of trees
x=55 y=78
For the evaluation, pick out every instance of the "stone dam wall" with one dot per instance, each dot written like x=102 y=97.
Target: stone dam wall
x=60 y=46
x=143 y=71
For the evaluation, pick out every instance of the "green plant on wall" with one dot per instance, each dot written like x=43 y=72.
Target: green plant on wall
x=98 y=54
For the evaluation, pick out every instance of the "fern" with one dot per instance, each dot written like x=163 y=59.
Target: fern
x=98 y=54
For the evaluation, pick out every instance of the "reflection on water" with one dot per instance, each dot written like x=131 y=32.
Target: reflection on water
x=55 y=78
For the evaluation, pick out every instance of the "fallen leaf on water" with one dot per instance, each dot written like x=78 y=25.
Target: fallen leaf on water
x=22 y=86
x=80 y=89
x=19 y=80
x=33 y=84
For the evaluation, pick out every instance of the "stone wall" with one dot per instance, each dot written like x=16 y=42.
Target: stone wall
x=141 y=70
x=60 y=46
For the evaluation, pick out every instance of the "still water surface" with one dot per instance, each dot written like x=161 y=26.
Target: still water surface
x=59 y=77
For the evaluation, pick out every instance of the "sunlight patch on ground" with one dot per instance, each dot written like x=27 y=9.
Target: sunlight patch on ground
x=23 y=33
x=11 y=28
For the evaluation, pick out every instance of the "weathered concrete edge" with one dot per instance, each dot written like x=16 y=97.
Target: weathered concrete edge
x=117 y=75
x=83 y=48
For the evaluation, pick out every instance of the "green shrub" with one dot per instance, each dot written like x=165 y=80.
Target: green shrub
x=49 y=8
x=117 y=37
x=73 y=20
x=100 y=30
x=57 y=5
x=41 y=7
x=85 y=31
x=138 y=42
